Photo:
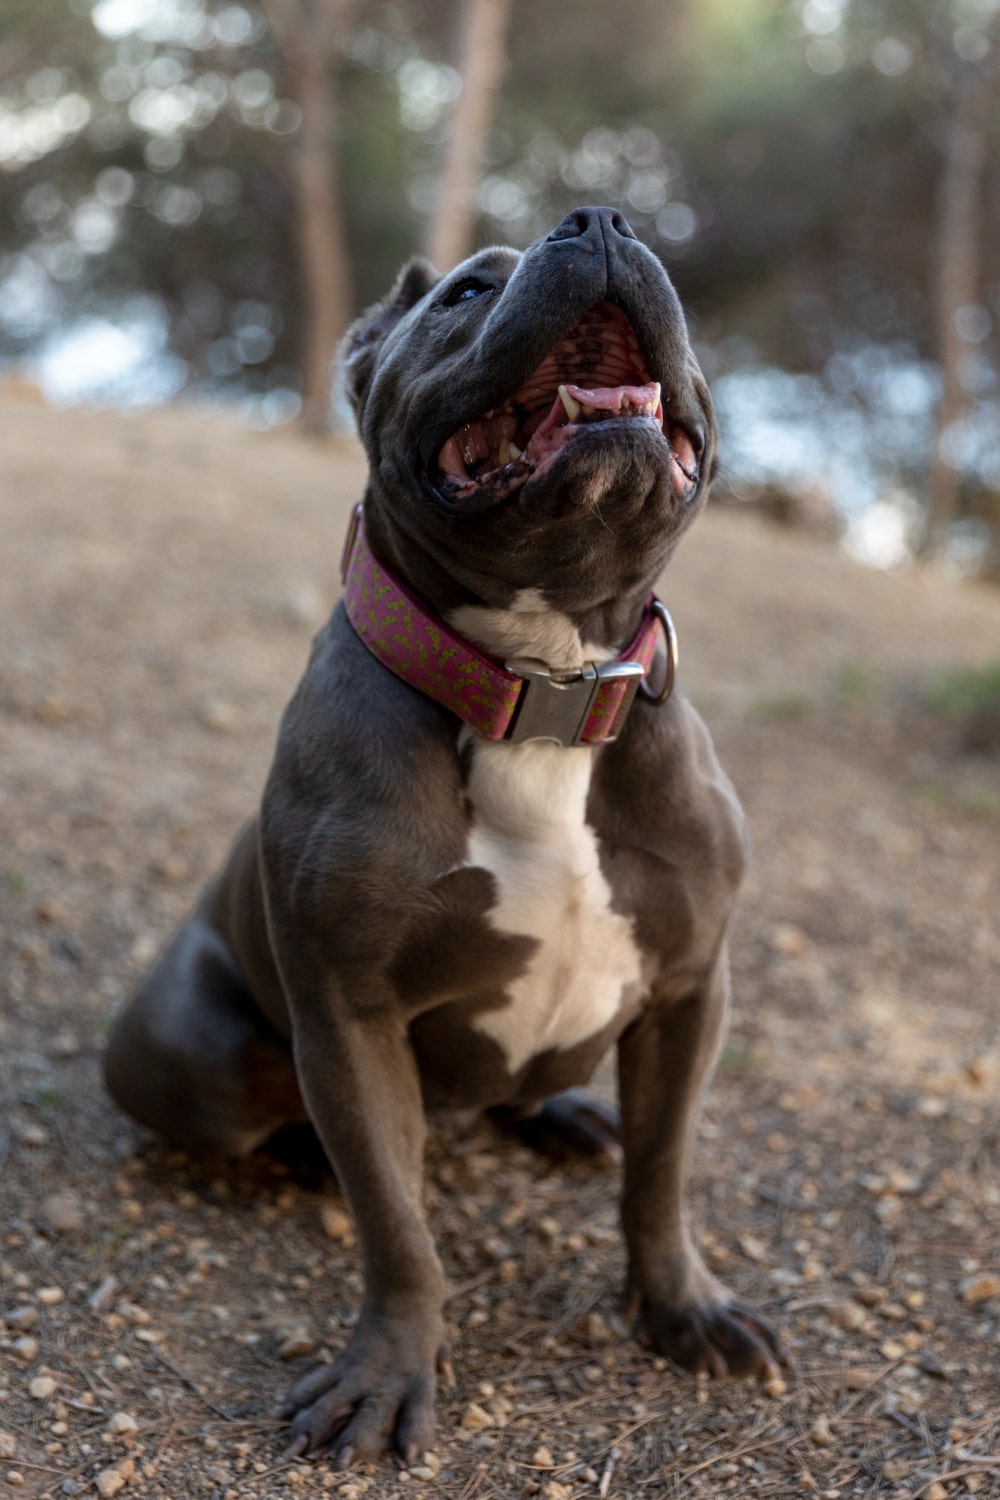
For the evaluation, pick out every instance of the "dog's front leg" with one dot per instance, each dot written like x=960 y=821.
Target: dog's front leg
x=664 y=1059
x=361 y=1087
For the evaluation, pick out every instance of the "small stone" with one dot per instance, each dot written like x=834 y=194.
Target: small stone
x=594 y=1329
x=62 y=1213
x=171 y=868
x=543 y=1458
x=20 y=1319
x=24 y=1350
x=775 y=1387
x=8 y=1445
x=134 y=1315
x=14 y=1478
x=935 y=1491
x=337 y=1225
x=30 y=1134
x=848 y=1315
x=218 y=715
x=65 y=1044
x=896 y=1468
x=110 y=1481
x=475 y=1418
x=101 y=1296
x=787 y=940
x=819 y=1432
x=42 y=1387
x=50 y=1296
x=753 y=1248
x=985 y=1070
x=297 y=1345
x=123 y=1424
x=431 y=1462
x=859 y=1379
x=980 y=1288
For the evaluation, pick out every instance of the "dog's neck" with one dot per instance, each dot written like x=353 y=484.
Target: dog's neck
x=529 y=626
x=509 y=621
x=575 y=701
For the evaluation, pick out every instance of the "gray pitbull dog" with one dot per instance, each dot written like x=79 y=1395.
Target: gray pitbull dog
x=423 y=916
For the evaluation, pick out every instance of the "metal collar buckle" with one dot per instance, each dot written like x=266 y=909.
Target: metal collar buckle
x=556 y=705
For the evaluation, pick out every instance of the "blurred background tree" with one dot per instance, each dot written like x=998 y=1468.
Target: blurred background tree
x=195 y=194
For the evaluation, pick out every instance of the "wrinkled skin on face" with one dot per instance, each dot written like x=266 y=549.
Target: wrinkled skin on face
x=501 y=482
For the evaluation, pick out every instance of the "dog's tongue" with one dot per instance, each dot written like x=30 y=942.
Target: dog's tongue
x=578 y=403
x=614 y=397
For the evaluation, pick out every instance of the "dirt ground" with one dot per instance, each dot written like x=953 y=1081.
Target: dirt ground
x=161 y=577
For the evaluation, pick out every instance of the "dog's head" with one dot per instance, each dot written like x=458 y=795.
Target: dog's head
x=533 y=420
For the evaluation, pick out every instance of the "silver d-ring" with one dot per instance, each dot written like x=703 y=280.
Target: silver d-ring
x=662 y=613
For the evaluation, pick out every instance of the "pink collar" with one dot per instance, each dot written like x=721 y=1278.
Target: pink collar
x=516 y=701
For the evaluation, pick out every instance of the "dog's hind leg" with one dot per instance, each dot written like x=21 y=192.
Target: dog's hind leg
x=572 y=1123
x=193 y=1057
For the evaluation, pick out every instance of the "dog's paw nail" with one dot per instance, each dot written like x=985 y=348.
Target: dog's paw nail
x=297 y=1447
x=446 y=1370
x=344 y=1457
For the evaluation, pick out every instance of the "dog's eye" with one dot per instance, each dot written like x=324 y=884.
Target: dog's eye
x=466 y=291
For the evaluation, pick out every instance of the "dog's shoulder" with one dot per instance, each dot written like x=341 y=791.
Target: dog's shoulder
x=365 y=771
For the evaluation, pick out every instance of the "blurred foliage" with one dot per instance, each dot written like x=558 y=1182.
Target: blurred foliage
x=966 y=691
x=782 y=158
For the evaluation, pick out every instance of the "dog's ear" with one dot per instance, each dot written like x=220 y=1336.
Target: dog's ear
x=361 y=344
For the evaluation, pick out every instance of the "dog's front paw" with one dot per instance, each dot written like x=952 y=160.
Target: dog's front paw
x=717 y=1336
x=377 y=1394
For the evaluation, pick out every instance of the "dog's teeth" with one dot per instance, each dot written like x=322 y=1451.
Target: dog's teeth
x=508 y=452
x=515 y=451
x=572 y=407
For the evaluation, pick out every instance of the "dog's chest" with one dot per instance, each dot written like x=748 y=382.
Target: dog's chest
x=529 y=830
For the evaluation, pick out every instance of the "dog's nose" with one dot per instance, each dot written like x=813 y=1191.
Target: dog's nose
x=604 y=223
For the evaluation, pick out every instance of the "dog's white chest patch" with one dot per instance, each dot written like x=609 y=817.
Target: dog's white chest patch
x=529 y=830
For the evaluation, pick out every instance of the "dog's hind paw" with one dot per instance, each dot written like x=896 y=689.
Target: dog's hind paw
x=573 y=1123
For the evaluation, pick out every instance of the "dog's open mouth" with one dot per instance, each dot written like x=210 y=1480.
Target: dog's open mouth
x=595 y=374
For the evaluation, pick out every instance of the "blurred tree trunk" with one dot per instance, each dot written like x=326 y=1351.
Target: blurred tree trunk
x=959 y=271
x=480 y=29
x=308 y=35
